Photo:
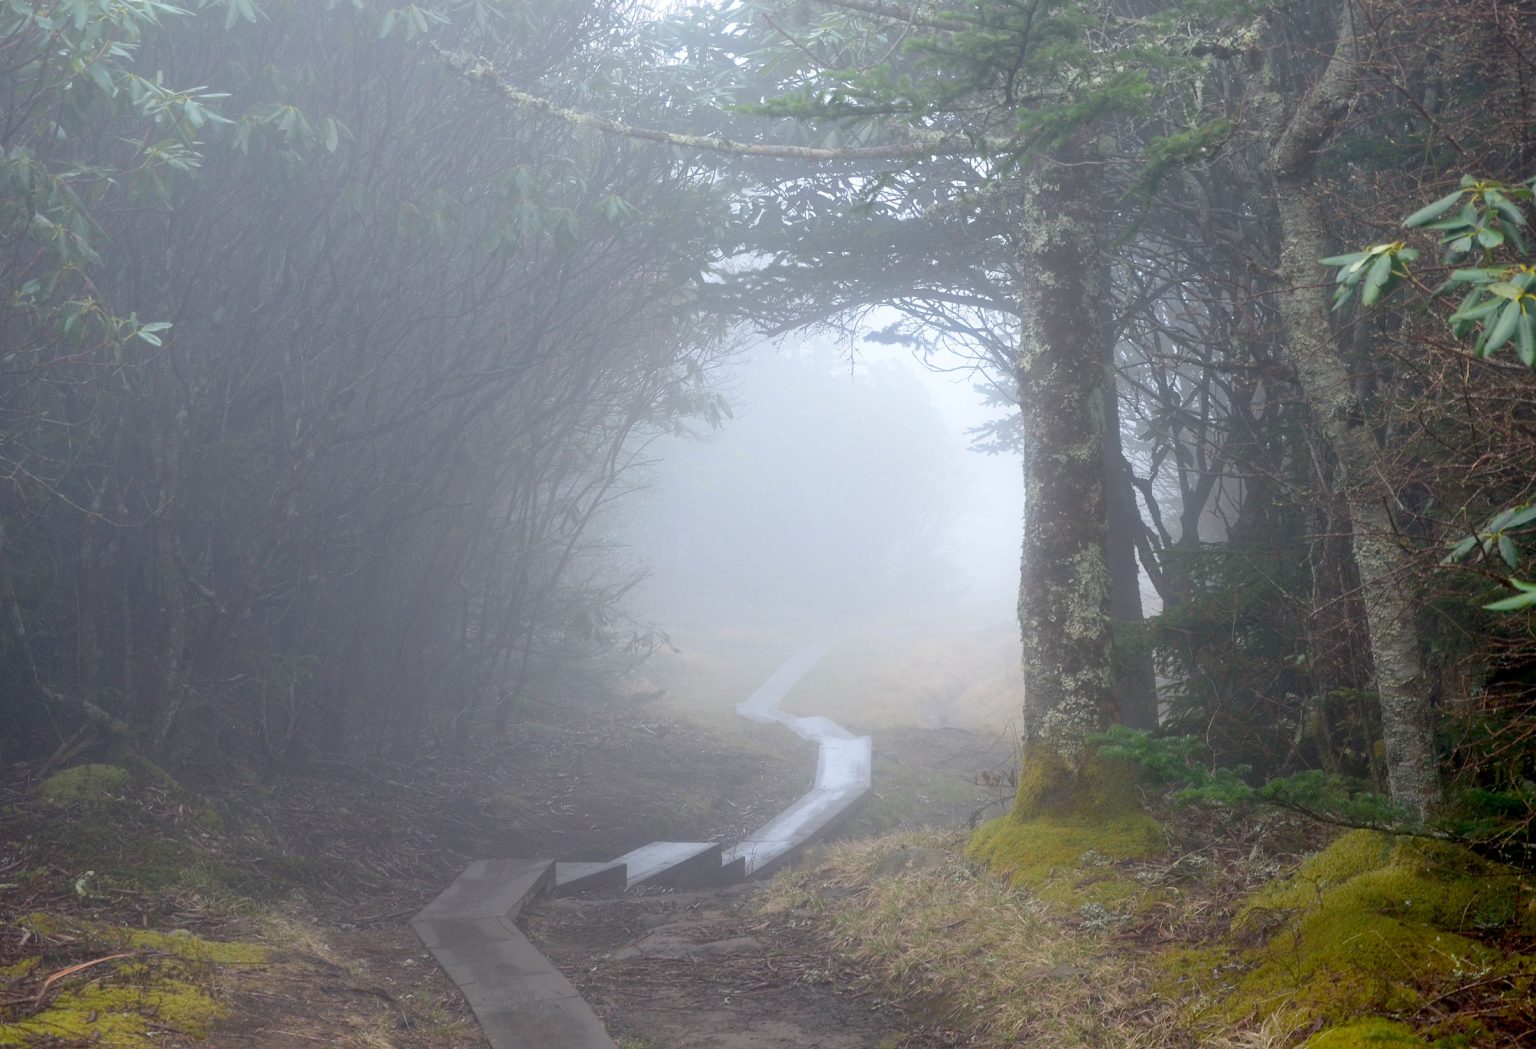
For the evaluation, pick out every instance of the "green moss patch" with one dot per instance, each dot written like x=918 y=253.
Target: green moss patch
x=126 y=1010
x=1367 y=1034
x=18 y=970
x=1423 y=882
x=1371 y=925
x=1066 y=826
x=164 y=984
x=84 y=785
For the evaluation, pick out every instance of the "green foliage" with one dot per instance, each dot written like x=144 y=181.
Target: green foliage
x=1375 y=272
x=1501 y=534
x=1185 y=759
x=1374 y=1033
x=413 y=352
x=1504 y=534
x=1494 y=813
x=1232 y=646
x=1499 y=305
x=1168 y=153
x=1526 y=598
x=1494 y=817
x=1482 y=221
x=165 y=983
x=68 y=65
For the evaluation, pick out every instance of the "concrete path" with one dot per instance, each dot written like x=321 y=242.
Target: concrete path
x=521 y=1001
x=842 y=771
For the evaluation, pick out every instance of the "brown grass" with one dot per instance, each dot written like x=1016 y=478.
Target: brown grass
x=976 y=954
x=1010 y=970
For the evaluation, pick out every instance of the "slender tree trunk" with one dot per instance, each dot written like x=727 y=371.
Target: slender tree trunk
x=1383 y=563
x=172 y=593
x=1135 y=679
x=81 y=706
x=1069 y=680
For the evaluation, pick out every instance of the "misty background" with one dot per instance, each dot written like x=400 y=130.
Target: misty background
x=842 y=487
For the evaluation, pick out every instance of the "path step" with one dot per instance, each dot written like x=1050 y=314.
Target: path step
x=492 y=889
x=732 y=870
x=814 y=815
x=675 y=864
x=572 y=878
x=843 y=776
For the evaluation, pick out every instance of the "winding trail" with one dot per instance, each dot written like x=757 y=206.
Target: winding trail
x=520 y=999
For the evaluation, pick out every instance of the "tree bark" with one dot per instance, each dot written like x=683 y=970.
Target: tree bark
x=1383 y=562
x=1069 y=680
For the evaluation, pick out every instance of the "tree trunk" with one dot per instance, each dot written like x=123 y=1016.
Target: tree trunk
x=1382 y=561
x=1135 y=679
x=1069 y=680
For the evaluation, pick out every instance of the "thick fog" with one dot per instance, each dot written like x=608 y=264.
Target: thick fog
x=842 y=487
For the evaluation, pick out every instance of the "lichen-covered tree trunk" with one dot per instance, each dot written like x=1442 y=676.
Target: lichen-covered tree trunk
x=1069 y=799
x=1064 y=581
x=1383 y=563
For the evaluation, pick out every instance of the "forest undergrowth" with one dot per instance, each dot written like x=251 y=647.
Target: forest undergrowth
x=239 y=910
x=136 y=910
x=1209 y=925
x=1248 y=931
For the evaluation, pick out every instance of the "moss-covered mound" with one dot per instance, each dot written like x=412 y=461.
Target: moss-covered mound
x=138 y=987
x=1371 y=925
x=1062 y=815
x=84 y=785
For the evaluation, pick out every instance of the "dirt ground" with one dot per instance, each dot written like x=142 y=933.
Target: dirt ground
x=664 y=970
x=691 y=970
x=325 y=868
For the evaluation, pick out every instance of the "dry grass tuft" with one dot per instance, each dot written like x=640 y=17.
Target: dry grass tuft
x=974 y=953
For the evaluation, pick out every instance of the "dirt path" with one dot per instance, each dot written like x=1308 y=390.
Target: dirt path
x=665 y=970
x=714 y=970
x=705 y=970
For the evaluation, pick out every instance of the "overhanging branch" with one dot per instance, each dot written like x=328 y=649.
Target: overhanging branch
x=909 y=15
x=480 y=71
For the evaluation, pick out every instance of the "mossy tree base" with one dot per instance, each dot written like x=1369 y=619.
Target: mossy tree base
x=1067 y=820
